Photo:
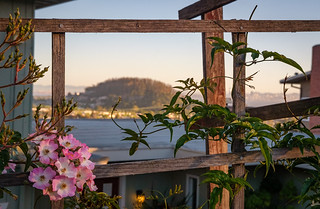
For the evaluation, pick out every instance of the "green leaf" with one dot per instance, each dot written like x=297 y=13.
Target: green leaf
x=24 y=148
x=145 y=143
x=130 y=132
x=284 y=59
x=315 y=127
x=306 y=186
x=265 y=150
x=16 y=137
x=174 y=98
x=180 y=142
x=237 y=44
x=28 y=162
x=221 y=42
x=267 y=54
x=149 y=116
x=134 y=148
x=130 y=139
x=266 y=134
x=215 y=197
x=4 y=159
x=248 y=50
x=192 y=121
x=143 y=118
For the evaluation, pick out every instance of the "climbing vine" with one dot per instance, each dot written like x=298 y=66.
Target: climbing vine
x=256 y=133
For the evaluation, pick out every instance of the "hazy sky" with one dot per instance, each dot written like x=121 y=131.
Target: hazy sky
x=93 y=58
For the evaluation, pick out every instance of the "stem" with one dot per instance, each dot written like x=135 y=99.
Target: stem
x=113 y=109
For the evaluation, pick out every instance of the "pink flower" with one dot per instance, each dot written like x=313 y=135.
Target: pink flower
x=65 y=167
x=69 y=142
x=83 y=174
x=64 y=186
x=41 y=137
x=91 y=184
x=84 y=159
x=46 y=150
x=11 y=166
x=41 y=177
x=71 y=155
x=54 y=196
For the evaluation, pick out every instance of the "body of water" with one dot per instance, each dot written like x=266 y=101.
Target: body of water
x=104 y=133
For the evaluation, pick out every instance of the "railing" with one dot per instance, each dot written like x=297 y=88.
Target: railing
x=58 y=28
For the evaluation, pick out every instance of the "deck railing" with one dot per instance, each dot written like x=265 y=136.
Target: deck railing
x=59 y=27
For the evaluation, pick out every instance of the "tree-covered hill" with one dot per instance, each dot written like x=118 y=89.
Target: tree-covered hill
x=134 y=92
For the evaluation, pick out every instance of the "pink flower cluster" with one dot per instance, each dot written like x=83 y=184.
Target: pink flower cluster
x=65 y=166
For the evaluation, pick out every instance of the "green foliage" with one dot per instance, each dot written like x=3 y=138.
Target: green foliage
x=12 y=144
x=219 y=44
x=272 y=194
x=170 y=199
x=92 y=200
x=223 y=181
x=310 y=191
x=255 y=133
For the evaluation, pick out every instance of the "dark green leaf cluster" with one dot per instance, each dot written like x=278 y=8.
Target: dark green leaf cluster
x=138 y=136
x=223 y=181
x=252 y=131
x=92 y=200
x=170 y=199
x=241 y=49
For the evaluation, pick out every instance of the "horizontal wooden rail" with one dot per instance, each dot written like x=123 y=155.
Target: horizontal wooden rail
x=169 y=26
x=269 y=112
x=277 y=111
x=174 y=164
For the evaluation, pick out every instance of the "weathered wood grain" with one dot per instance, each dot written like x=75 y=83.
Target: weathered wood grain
x=201 y=7
x=169 y=26
x=276 y=111
x=58 y=84
x=58 y=70
x=217 y=97
x=166 y=165
x=268 y=112
x=239 y=107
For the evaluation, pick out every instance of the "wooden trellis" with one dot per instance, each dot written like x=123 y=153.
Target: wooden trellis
x=58 y=28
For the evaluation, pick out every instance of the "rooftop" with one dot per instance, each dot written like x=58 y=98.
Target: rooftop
x=297 y=78
x=46 y=3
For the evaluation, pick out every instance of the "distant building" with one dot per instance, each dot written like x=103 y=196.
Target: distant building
x=309 y=84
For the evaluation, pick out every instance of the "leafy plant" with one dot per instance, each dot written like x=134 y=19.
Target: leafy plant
x=196 y=114
x=92 y=200
x=170 y=199
x=223 y=181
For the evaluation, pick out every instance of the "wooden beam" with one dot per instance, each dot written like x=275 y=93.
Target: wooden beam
x=168 y=26
x=58 y=84
x=58 y=69
x=217 y=97
x=268 y=112
x=201 y=7
x=174 y=164
x=276 y=111
x=239 y=108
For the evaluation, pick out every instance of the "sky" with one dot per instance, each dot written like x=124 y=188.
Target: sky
x=95 y=57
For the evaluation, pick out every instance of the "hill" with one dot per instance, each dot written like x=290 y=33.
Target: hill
x=134 y=92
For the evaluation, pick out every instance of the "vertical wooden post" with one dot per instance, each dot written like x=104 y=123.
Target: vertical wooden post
x=58 y=83
x=219 y=96
x=238 y=96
